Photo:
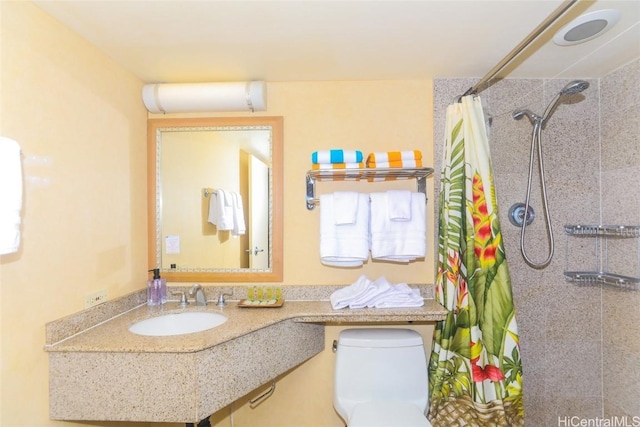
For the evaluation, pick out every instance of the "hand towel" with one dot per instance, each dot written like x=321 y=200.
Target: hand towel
x=10 y=195
x=399 y=205
x=399 y=295
x=317 y=166
x=344 y=245
x=345 y=207
x=239 y=226
x=393 y=156
x=221 y=210
x=342 y=297
x=371 y=294
x=398 y=241
x=337 y=156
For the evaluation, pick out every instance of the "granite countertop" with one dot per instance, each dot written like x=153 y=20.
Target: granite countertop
x=218 y=366
x=113 y=335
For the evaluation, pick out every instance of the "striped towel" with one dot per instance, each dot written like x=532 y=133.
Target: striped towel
x=336 y=156
x=316 y=166
x=395 y=159
x=399 y=164
x=385 y=177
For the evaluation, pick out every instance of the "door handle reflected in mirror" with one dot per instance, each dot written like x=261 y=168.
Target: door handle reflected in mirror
x=255 y=250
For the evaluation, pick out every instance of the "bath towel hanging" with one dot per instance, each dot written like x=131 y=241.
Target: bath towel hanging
x=10 y=195
x=346 y=244
x=398 y=241
x=221 y=210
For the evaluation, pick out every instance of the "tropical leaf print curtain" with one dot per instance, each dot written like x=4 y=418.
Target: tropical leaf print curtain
x=475 y=369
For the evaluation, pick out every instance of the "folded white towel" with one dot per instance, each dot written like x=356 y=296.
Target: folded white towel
x=399 y=295
x=221 y=210
x=345 y=207
x=345 y=245
x=373 y=292
x=379 y=294
x=399 y=205
x=344 y=296
x=239 y=226
x=398 y=241
x=10 y=195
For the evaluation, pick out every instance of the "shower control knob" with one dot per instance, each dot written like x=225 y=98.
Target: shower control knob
x=517 y=214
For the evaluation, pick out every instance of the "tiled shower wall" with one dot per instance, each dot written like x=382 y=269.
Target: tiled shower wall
x=580 y=344
x=620 y=174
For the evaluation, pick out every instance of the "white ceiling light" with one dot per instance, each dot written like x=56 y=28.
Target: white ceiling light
x=587 y=27
x=205 y=97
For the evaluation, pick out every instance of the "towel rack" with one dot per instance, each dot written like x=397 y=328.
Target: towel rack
x=372 y=174
x=207 y=192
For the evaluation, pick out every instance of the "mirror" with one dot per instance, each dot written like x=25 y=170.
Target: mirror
x=215 y=198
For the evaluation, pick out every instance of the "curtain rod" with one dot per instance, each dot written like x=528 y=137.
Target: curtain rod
x=565 y=6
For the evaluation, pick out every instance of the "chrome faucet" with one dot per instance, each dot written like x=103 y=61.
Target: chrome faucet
x=183 y=298
x=221 y=301
x=201 y=298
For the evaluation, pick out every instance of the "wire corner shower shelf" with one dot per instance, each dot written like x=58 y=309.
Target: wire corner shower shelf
x=602 y=275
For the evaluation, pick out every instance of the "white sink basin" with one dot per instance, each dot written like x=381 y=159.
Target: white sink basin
x=178 y=323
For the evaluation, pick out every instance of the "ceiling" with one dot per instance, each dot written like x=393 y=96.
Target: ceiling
x=205 y=40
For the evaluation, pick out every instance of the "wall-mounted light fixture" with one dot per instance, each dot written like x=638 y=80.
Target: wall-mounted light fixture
x=204 y=97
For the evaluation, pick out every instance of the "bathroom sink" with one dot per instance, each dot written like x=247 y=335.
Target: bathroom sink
x=178 y=323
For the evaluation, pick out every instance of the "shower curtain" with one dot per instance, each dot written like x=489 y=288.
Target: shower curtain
x=475 y=373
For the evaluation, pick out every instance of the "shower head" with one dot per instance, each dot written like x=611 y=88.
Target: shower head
x=575 y=86
x=572 y=88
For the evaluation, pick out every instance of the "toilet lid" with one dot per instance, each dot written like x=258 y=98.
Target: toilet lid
x=385 y=414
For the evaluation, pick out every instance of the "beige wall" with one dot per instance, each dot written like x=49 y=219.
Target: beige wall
x=366 y=115
x=82 y=127
x=371 y=116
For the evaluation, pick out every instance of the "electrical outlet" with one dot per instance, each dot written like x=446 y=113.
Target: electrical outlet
x=95 y=298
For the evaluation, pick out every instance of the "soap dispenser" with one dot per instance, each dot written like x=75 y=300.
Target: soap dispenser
x=156 y=289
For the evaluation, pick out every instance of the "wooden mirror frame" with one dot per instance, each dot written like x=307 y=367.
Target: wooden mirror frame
x=276 y=271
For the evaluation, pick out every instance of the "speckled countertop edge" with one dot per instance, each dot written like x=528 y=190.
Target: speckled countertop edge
x=105 y=328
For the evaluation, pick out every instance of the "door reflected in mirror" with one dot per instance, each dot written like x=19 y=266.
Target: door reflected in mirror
x=216 y=198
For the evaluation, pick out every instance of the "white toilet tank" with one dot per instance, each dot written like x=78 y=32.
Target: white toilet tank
x=378 y=364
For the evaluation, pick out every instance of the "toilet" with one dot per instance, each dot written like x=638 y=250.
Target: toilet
x=381 y=378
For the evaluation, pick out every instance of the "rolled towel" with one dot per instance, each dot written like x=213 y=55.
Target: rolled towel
x=344 y=296
x=337 y=156
x=317 y=166
x=410 y=163
x=376 y=158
